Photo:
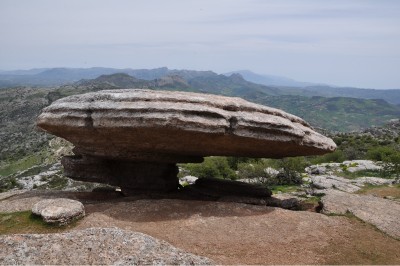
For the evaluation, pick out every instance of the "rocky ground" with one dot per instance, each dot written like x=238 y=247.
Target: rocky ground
x=229 y=233
x=358 y=224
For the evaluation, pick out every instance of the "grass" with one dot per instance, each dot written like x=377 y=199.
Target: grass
x=25 y=222
x=21 y=164
x=283 y=189
x=361 y=173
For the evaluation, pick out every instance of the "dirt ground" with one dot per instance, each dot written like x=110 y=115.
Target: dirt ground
x=235 y=233
x=232 y=233
x=383 y=192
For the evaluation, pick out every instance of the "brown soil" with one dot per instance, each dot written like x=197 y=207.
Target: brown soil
x=383 y=192
x=234 y=233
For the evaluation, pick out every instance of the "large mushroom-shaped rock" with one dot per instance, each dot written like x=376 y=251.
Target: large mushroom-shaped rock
x=134 y=138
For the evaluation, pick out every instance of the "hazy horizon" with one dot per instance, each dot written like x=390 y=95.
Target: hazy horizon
x=343 y=43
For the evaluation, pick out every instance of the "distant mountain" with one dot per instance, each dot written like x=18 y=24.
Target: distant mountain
x=391 y=96
x=49 y=77
x=270 y=80
x=292 y=87
x=238 y=83
x=337 y=113
x=122 y=80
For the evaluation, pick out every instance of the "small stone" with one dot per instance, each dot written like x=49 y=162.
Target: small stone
x=59 y=211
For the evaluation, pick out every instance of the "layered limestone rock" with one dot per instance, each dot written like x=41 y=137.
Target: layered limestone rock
x=134 y=138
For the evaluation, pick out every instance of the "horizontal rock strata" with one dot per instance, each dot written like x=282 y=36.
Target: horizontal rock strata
x=146 y=125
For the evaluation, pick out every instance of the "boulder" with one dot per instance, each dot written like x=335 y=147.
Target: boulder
x=190 y=180
x=118 y=130
x=59 y=211
x=101 y=246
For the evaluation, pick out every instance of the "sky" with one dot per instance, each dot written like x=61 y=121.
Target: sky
x=344 y=43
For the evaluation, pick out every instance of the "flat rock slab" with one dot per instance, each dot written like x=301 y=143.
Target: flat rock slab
x=347 y=185
x=9 y=194
x=332 y=181
x=165 y=126
x=100 y=246
x=59 y=211
x=383 y=213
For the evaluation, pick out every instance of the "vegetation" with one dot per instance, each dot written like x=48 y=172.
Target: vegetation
x=216 y=167
x=261 y=170
x=25 y=222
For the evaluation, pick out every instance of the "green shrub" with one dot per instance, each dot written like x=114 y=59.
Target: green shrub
x=254 y=169
x=391 y=165
x=334 y=157
x=212 y=167
x=290 y=170
x=380 y=153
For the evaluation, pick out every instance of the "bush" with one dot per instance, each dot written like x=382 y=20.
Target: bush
x=334 y=157
x=391 y=165
x=380 y=153
x=254 y=169
x=212 y=167
x=290 y=170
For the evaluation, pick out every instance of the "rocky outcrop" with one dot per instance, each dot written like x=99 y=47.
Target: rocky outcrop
x=349 y=166
x=383 y=213
x=101 y=246
x=346 y=185
x=59 y=211
x=117 y=128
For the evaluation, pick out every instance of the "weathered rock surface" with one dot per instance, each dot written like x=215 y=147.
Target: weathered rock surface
x=359 y=165
x=59 y=211
x=347 y=185
x=100 y=246
x=133 y=138
x=159 y=125
x=331 y=181
x=350 y=166
x=8 y=194
x=383 y=213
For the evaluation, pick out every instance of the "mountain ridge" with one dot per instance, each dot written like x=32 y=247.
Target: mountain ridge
x=50 y=77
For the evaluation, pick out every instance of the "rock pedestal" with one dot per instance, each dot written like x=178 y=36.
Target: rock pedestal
x=134 y=138
x=129 y=175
